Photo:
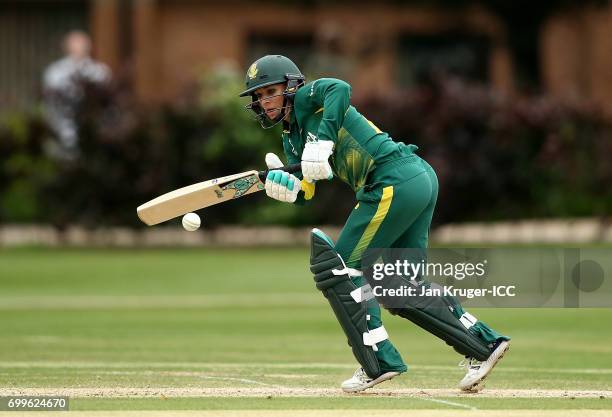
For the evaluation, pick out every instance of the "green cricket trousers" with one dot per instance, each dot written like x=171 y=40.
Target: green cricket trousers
x=394 y=211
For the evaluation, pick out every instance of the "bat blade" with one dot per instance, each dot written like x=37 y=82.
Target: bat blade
x=196 y=196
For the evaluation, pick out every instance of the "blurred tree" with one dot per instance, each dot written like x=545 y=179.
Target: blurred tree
x=495 y=158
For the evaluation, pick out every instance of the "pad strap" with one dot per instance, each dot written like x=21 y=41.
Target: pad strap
x=467 y=320
x=350 y=271
x=372 y=337
x=362 y=293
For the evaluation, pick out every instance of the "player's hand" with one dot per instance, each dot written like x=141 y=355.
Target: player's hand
x=282 y=186
x=315 y=160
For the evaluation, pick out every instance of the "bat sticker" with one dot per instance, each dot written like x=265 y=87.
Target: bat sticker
x=241 y=185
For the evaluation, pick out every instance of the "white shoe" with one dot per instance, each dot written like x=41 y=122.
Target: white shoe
x=477 y=371
x=361 y=381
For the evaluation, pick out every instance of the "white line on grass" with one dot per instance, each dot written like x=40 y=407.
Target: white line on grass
x=243 y=380
x=192 y=374
x=78 y=302
x=446 y=402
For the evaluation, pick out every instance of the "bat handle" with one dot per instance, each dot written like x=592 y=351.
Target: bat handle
x=288 y=168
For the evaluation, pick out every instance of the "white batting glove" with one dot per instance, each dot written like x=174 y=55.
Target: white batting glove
x=273 y=161
x=315 y=160
x=282 y=186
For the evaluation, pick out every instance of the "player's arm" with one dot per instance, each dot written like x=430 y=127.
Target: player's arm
x=332 y=97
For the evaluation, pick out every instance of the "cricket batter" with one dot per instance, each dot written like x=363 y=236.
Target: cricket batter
x=396 y=194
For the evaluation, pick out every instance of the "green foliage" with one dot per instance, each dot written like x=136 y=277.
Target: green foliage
x=24 y=169
x=499 y=158
x=495 y=158
x=19 y=201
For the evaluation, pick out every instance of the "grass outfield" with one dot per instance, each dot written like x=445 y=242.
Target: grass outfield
x=246 y=330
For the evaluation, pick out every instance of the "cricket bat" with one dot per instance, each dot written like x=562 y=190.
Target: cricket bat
x=204 y=194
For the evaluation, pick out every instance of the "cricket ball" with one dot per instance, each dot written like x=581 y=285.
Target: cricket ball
x=191 y=222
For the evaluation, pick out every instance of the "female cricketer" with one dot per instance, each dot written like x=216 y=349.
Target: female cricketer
x=396 y=194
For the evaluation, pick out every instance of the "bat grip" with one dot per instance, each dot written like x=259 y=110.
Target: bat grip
x=288 y=168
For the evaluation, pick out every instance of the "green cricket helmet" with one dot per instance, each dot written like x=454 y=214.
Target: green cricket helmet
x=270 y=70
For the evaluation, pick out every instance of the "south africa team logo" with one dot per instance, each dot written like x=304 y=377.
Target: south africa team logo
x=241 y=185
x=252 y=72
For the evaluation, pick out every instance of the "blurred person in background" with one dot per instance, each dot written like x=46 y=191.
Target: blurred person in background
x=396 y=193
x=64 y=83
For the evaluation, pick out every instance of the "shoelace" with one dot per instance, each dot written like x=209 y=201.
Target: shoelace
x=361 y=375
x=470 y=364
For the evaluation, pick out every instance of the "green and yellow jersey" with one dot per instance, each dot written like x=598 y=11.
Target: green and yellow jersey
x=322 y=111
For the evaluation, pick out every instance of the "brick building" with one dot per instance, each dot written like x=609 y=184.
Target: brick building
x=164 y=45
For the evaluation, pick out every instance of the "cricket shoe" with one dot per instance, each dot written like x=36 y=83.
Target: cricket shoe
x=477 y=371
x=361 y=381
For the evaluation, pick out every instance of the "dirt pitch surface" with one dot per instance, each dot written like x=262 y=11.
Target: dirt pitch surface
x=108 y=392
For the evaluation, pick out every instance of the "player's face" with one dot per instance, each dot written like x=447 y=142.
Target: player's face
x=271 y=99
